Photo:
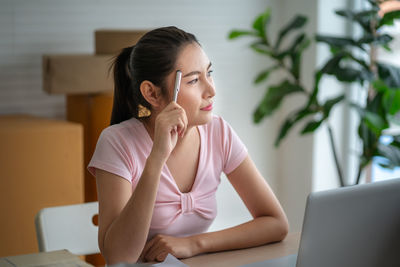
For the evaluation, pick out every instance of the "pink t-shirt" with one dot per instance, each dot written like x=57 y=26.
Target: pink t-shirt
x=122 y=149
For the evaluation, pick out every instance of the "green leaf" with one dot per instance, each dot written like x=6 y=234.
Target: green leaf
x=390 y=154
x=391 y=101
x=264 y=74
x=396 y=141
x=313 y=97
x=273 y=99
x=262 y=48
x=380 y=86
x=391 y=97
x=387 y=47
x=382 y=40
x=374 y=3
x=297 y=41
x=363 y=18
x=350 y=74
x=311 y=126
x=261 y=22
x=345 y=74
x=300 y=43
x=375 y=122
x=296 y=23
x=239 y=33
x=296 y=61
x=303 y=44
x=374 y=105
x=389 y=17
x=360 y=110
x=331 y=65
x=291 y=120
x=368 y=139
x=329 y=104
x=389 y=74
x=337 y=42
x=284 y=130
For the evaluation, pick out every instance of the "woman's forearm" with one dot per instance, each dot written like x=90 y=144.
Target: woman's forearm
x=259 y=231
x=127 y=234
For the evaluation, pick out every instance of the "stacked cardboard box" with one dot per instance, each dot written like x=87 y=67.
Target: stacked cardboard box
x=76 y=74
x=86 y=81
x=112 y=41
x=41 y=163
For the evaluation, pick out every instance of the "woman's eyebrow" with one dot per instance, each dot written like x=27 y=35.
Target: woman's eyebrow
x=196 y=71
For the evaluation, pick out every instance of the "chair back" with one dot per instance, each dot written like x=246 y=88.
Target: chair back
x=68 y=227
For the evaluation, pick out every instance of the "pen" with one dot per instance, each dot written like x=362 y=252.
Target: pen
x=178 y=78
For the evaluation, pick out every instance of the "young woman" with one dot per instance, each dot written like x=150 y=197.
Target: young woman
x=158 y=165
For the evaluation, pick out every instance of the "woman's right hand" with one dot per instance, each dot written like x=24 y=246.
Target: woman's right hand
x=170 y=124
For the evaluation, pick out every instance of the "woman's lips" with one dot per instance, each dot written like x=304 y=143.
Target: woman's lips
x=207 y=108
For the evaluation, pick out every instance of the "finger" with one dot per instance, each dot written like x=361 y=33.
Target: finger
x=162 y=256
x=172 y=106
x=177 y=121
x=154 y=251
x=147 y=247
x=182 y=122
x=185 y=121
x=180 y=125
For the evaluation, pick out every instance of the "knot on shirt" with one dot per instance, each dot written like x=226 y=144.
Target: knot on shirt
x=187 y=203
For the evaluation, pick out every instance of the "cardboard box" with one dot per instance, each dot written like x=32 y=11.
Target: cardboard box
x=41 y=163
x=77 y=74
x=94 y=113
x=54 y=258
x=112 y=41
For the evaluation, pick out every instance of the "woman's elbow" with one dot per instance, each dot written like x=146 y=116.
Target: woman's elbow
x=113 y=254
x=282 y=228
x=278 y=228
x=115 y=258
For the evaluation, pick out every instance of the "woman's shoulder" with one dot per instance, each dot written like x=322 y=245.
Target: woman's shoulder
x=122 y=129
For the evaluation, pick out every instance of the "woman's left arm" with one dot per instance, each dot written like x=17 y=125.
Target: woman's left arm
x=269 y=222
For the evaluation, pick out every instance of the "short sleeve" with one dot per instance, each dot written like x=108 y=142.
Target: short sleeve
x=112 y=155
x=233 y=148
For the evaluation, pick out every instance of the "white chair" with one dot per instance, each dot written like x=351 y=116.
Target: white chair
x=68 y=227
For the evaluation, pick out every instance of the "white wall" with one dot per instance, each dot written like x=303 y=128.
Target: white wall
x=29 y=29
x=295 y=153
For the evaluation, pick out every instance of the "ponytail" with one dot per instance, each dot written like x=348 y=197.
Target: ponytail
x=122 y=110
x=127 y=97
x=152 y=59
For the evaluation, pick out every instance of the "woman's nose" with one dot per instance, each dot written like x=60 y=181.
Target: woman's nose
x=210 y=88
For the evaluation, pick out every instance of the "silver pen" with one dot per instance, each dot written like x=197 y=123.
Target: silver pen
x=178 y=78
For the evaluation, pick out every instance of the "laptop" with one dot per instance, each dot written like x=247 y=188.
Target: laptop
x=355 y=226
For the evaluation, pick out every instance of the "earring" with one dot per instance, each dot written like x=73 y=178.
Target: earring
x=143 y=111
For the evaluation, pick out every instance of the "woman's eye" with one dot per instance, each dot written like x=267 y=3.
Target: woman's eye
x=193 y=81
x=209 y=73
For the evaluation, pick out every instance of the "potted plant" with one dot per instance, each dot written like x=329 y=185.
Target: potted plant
x=352 y=60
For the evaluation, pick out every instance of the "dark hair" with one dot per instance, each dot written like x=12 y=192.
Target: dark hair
x=152 y=58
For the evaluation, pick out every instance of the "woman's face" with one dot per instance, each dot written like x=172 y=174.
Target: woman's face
x=197 y=86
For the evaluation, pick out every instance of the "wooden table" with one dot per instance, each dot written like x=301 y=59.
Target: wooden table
x=241 y=257
x=220 y=259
